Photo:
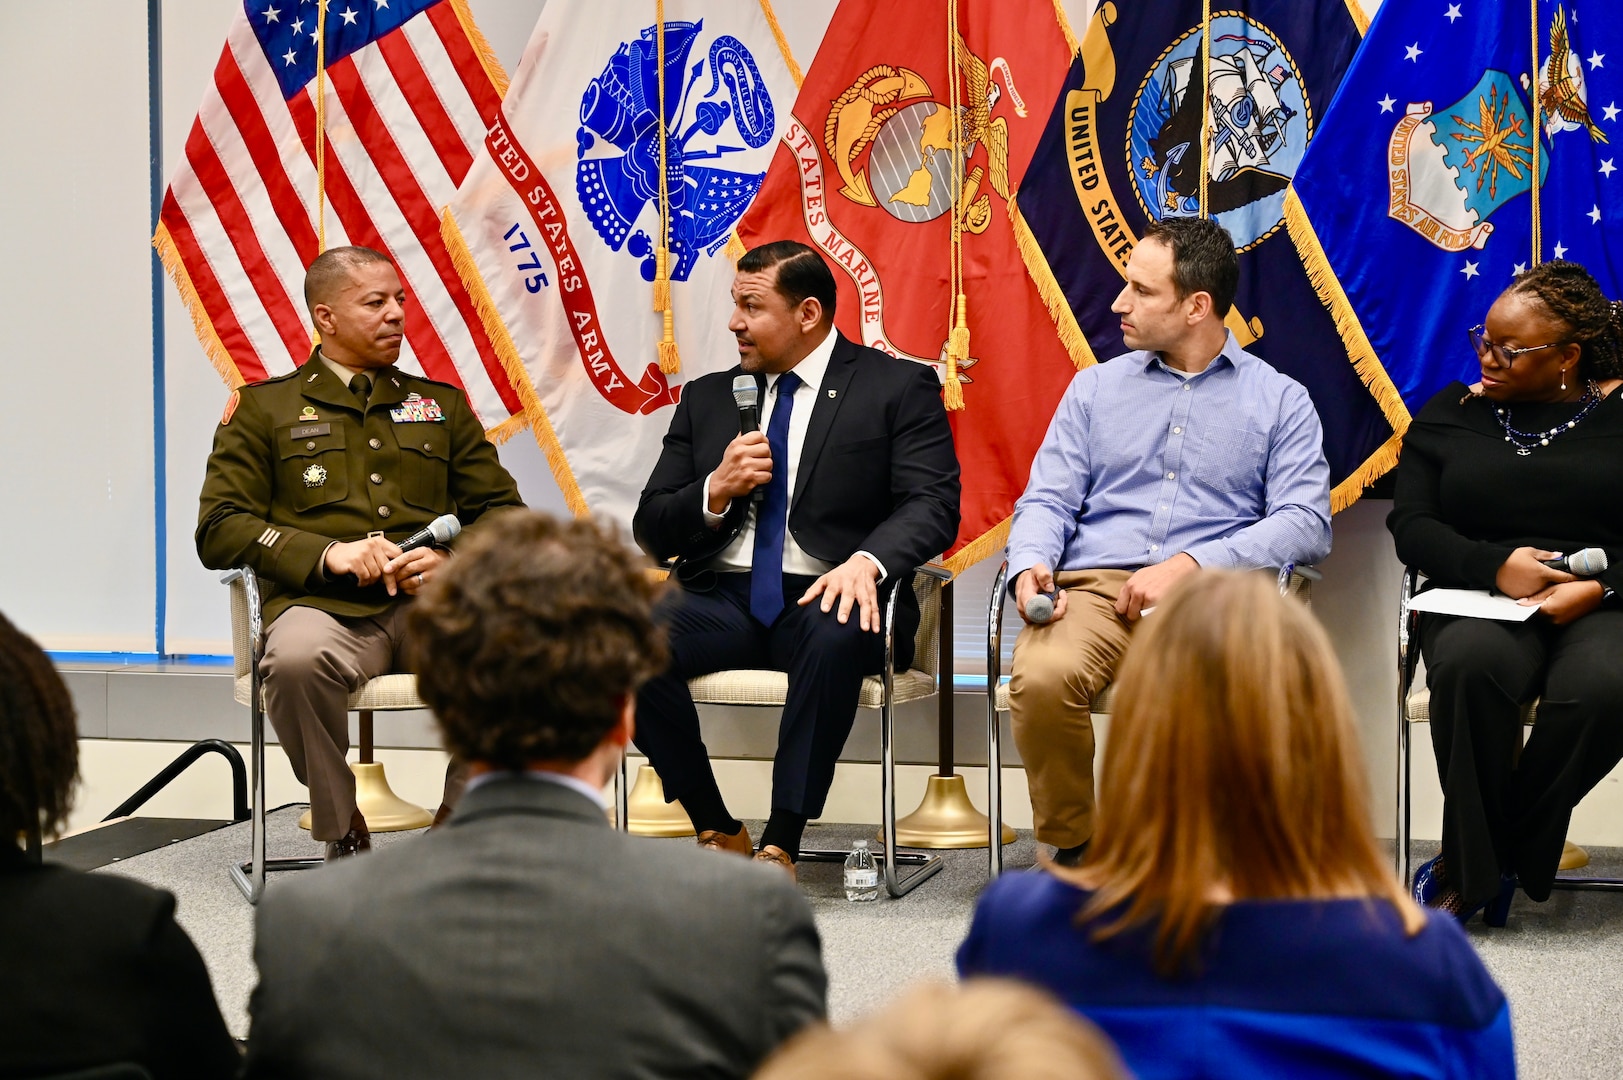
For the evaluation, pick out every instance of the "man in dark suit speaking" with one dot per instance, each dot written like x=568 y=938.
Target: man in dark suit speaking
x=787 y=540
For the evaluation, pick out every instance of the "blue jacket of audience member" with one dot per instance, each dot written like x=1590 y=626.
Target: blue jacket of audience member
x=1304 y=989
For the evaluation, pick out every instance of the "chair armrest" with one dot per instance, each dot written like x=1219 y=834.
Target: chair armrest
x=935 y=570
x=994 y=628
x=250 y=631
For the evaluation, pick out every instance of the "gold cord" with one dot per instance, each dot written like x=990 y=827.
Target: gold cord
x=669 y=360
x=957 y=302
x=321 y=126
x=1206 y=100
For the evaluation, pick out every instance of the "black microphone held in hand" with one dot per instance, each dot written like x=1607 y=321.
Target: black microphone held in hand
x=1585 y=563
x=442 y=530
x=747 y=394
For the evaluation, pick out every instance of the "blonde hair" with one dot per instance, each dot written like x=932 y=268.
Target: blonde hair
x=1232 y=767
x=986 y=1029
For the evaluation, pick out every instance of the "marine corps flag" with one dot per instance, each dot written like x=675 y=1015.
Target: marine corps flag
x=1166 y=115
x=1453 y=159
x=910 y=136
x=591 y=228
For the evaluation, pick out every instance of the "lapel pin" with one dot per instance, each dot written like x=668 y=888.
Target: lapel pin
x=395 y=381
x=833 y=393
x=313 y=376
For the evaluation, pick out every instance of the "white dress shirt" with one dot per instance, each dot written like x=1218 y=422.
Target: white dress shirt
x=739 y=555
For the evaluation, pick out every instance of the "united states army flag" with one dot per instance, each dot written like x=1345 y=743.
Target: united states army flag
x=561 y=229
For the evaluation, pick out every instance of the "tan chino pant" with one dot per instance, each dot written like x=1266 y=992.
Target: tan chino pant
x=313 y=661
x=1058 y=671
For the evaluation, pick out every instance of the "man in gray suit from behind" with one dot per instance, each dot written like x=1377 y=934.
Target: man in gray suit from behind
x=527 y=937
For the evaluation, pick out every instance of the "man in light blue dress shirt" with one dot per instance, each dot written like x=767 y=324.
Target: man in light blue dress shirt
x=1184 y=453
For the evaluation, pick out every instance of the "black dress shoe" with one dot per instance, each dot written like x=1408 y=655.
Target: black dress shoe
x=354 y=842
x=1070 y=856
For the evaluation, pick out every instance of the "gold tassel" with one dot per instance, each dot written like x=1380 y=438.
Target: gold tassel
x=670 y=361
x=1059 y=308
x=957 y=353
x=662 y=279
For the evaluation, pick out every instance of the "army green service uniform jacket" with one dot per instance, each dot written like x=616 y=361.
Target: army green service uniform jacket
x=297 y=465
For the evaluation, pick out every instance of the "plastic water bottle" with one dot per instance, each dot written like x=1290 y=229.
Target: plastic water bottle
x=861 y=873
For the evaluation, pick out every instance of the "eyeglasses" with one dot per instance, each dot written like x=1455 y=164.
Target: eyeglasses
x=1502 y=356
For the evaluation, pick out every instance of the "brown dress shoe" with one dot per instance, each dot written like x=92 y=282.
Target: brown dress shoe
x=357 y=840
x=772 y=855
x=737 y=843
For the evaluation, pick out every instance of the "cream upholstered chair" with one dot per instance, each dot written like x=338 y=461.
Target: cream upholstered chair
x=385 y=693
x=1414 y=707
x=768 y=689
x=1294 y=581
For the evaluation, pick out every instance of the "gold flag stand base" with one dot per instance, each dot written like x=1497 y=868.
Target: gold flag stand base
x=383 y=809
x=647 y=812
x=1573 y=857
x=945 y=819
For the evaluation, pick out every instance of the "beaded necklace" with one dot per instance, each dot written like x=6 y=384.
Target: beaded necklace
x=1525 y=441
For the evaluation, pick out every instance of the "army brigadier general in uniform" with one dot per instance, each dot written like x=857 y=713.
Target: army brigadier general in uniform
x=313 y=478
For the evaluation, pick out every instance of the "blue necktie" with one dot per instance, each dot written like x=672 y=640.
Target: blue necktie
x=772 y=515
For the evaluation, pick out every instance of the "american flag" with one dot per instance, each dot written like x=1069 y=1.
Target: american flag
x=411 y=87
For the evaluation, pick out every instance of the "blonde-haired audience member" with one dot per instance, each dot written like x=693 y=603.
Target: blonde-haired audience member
x=986 y=1029
x=1234 y=916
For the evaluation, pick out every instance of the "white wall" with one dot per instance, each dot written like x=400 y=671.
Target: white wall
x=76 y=438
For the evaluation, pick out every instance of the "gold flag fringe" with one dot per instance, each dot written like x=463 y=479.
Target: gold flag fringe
x=986 y=544
x=213 y=347
x=1071 y=41
x=481 y=47
x=1368 y=366
x=507 y=429
x=1059 y=308
x=540 y=424
x=1324 y=282
x=783 y=42
x=1359 y=17
x=735 y=247
x=1374 y=467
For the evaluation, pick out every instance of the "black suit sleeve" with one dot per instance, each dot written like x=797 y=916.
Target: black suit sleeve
x=670 y=514
x=924 y=482
x=186 y=1034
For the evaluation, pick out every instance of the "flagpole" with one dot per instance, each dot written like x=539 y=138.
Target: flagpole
x=1206 y=98
x=952 y=391
x=1538 y=239
x=321 y=126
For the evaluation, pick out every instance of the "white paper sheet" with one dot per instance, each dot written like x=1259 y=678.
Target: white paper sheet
x=1472 y=603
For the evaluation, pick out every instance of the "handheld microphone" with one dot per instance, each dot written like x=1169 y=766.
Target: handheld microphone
x=439 y=531
x=1040 y=608
x=747 y=394
x=1585 y=563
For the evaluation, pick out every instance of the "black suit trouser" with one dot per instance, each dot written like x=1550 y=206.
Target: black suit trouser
x=1503 y=813
x=825 y=660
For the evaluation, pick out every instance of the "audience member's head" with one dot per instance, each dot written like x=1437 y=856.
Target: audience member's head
x=39 y=739
x=986 y=1029
x=1232 y=771
x=532 y=641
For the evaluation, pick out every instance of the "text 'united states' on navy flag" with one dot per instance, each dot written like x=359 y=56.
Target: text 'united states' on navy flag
x=1123 y=148
x=408 y=91
x=1418 y=204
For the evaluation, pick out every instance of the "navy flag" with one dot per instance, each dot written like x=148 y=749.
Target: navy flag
x=1434 y=180
x=1123 y=148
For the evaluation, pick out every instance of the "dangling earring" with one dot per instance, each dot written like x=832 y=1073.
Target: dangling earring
x=1563 y=378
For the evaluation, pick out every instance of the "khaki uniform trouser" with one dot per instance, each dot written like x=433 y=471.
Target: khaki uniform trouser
x=313 y=661
x=1058 y=671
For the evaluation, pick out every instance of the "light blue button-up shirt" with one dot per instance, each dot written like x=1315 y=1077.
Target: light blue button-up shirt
x=1140 y=464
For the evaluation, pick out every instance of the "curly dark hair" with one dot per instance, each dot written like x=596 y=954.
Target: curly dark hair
x=39 y=738
x=529 y=640
x=1572 y=296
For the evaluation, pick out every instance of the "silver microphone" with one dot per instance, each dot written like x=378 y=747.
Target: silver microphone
x=442 y=530
x=747 y=395
x=1040 y=608
x=1585 y=563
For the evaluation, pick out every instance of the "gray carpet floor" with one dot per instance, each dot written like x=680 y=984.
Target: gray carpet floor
x=1560 y=963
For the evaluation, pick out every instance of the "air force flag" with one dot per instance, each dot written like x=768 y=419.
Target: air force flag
x=1452 y=159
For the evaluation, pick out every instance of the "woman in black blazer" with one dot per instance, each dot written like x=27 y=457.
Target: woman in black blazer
x=93 y=968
